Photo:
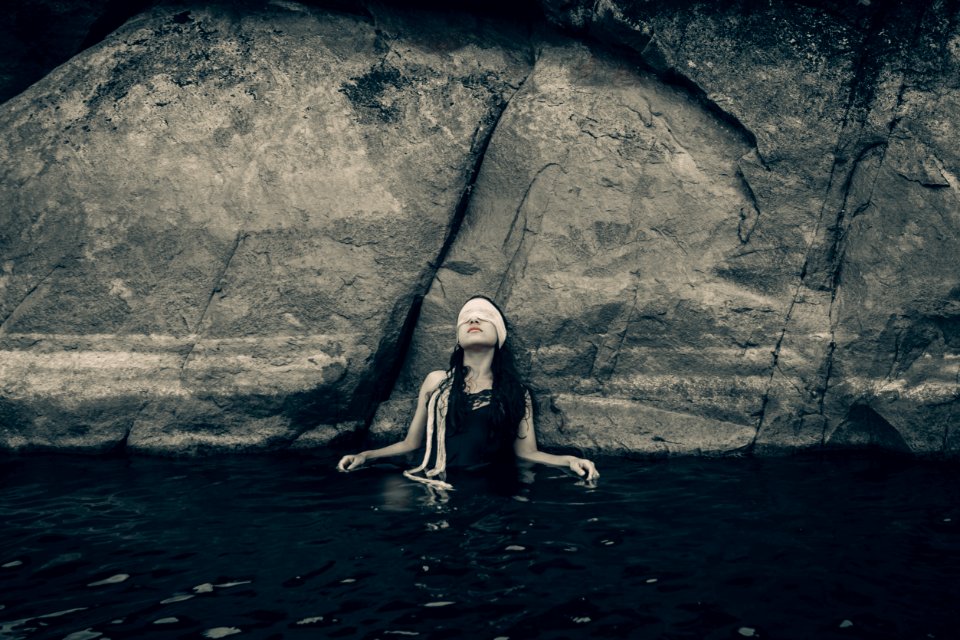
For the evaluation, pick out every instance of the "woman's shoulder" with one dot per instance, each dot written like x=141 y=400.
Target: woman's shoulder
x=432 y=381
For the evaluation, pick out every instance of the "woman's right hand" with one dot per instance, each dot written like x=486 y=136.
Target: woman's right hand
x=351 y=462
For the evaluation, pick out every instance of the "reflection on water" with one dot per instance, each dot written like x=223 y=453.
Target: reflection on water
x=271 y=547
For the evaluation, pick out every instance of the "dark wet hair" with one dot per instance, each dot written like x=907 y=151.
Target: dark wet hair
x=508 y=398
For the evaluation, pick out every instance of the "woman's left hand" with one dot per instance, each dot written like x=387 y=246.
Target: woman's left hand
x=584 y=468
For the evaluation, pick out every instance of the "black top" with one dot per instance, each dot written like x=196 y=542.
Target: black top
x=472 y=449
x=471 y=445
x=468 y=446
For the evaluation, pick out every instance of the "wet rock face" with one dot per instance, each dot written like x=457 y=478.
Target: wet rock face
x=713 y=227
x=217 y=220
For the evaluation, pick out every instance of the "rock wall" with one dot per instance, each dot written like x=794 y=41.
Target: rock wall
x=763 y=300
x=605 y=204
x=713 y=229
x=218 y=220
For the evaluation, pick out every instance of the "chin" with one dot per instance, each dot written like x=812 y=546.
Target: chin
x=479 y=341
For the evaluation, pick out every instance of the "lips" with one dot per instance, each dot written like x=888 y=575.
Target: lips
x=472 y=329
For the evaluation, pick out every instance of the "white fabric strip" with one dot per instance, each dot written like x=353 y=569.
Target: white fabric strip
x=442 y=393
x=480 y=309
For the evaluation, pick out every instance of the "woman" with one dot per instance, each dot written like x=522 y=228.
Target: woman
x=477 y=413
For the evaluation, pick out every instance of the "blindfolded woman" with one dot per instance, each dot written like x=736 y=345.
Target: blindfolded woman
x=475 y=414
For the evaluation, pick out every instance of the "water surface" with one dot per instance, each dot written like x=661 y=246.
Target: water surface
x=285 y=547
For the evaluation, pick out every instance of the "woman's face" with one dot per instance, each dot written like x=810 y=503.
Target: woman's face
x=473 y=328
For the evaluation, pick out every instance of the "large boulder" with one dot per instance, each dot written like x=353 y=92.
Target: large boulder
x=716 y=227
x=791 y=279
x=605 y=219
x=895 y=248
x=853 y=108
x=216 y=222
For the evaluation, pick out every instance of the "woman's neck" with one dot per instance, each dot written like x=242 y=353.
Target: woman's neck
x=479 y=363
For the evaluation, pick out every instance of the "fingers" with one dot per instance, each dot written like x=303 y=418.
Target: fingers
x=592 y=473
x=351 y=462
x=586 y=469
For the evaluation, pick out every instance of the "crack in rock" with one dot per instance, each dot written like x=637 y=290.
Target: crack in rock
x=391 y=355
x=528 y=226
x=748 y=219
x=217 y=287
x=16 y=312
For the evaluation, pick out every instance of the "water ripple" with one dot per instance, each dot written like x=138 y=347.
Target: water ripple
x=683 y=548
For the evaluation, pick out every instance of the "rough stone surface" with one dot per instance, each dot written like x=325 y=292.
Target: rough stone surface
x=628 y=427
x=604 y=217
x=217 y=220
x=717 y=228
x=826 y=315
x=868 y=353
x=883 y=258
x=895 y=375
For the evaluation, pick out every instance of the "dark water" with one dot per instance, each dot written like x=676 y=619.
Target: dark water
x=266 y=547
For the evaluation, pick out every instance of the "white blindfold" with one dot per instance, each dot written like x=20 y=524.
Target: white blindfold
x=480 y=309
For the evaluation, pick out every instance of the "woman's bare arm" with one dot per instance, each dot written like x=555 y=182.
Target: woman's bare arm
x=415 y=432
x=525 y=447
